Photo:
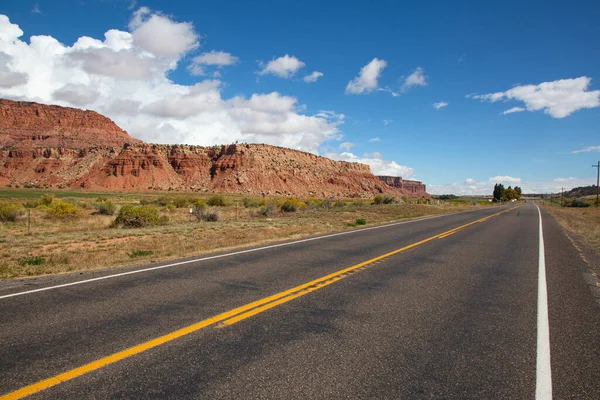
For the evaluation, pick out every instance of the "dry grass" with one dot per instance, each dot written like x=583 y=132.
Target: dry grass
x=89 y=242
x=582 y=223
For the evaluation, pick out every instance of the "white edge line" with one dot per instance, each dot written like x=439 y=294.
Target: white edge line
x=235 y=253
x=543 y=378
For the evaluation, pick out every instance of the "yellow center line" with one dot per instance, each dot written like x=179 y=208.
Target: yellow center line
x=226 y=318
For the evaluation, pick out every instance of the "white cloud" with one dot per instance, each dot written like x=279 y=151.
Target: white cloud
x=388 y=90
x=417 y=78
x=36 y=9
x=504 y=179
x=513 y=110
x=378 y=165
x=346 y=146
x=385 y=122
x=313 y=77
x=161 y=36
x=366 y=81
x=470 y=181
x=283 y=67
x=127 y=78
x=440 y=105
x=374 y=154
x=374 y=140
x=558 y=99
x=212 y=58
x=586 y=149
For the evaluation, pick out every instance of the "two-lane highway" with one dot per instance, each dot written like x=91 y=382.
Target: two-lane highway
x=444 y=307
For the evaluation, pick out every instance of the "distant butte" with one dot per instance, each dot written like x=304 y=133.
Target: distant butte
x=67 y=147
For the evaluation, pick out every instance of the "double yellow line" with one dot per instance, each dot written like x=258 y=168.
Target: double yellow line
x=227 y=318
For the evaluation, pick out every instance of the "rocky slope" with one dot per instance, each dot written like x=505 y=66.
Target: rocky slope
x=26 y=124
x=411 y=188
x=63 y=147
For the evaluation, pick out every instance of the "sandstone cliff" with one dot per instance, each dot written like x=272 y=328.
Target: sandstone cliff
x=411 y=188
x=26 y=124
x=63 y=147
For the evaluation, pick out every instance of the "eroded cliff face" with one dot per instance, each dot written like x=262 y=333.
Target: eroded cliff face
x=255 y=169
x=410 y=188
x=64 y=147
x=26 y=124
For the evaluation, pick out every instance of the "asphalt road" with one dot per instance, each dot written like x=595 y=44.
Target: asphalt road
x=450 y=316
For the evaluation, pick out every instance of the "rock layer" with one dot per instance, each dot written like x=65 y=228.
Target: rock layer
x=411 y=188
x=26 y=124
x=63 y=147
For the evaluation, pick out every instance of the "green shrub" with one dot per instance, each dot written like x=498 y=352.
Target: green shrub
x=578 y=203
x=46 y=199
x=217 y=201
x=140 y=253
x=105 y=208
x=137 y=217
x=339 y=204
x=327 y=204
x=62 y=210
x=10 y=212
x=161 y=201
x=267 y=209
x=384 y=199
x=312 y=202
x=199 y=203
x=250 y=203
x=360 y=221
x=181 y=202
x=208 y=215
x=291 y=205
x=31 y=203
x=145 y=202
x=31 y=260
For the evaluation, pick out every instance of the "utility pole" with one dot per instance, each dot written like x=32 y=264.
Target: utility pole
x=597 y=166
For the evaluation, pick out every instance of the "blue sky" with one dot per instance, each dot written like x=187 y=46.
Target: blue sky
x=417 y=89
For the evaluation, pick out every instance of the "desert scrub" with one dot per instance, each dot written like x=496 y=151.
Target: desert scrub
x=62 y=210
x=358 y=222
x=181 y=202
x=140 y=253
x=137 y=217
x=384 y=199
x=105 y=208
x=266 y=210
x=250 y=202
x=207 y=215
x=217 y=201
x=46 y=199
x=10 y=212
x=291 y=205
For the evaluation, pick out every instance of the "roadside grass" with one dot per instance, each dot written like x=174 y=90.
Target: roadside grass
x=88 y=241
x=583 y=223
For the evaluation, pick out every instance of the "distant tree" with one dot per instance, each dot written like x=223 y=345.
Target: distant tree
x=499 y=192
x=519 y=192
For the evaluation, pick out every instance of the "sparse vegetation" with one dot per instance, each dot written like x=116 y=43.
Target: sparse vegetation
x=217 y=201
x=384 y=199
x=10 y=212
x=140 y=253
x=84 y=242
x=62 y=210
x=137 y=217
x=105 y=208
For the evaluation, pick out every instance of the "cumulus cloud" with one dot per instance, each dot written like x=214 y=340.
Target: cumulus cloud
x=417 y=78
x=559 y=99
x=504 y=179
x=366 y=81
x=586 y=149
x=470 y=181
x=313 y=77
x=378 y=165
x=125 y=76
x=283 y=67
x=513 y=110
x=346 y=146
x=161 y=36
x=440 y=105
x=212 y=58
